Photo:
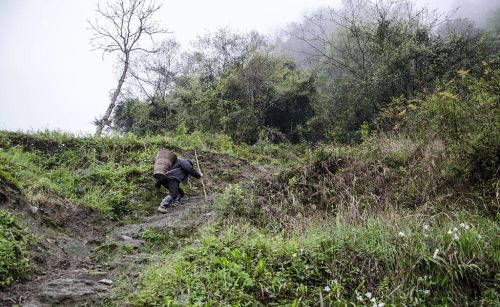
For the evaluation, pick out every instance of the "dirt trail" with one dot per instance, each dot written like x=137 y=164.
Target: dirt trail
x=78 y=279
x=186 y=216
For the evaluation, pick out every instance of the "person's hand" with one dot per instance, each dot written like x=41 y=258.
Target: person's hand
x=157 y=184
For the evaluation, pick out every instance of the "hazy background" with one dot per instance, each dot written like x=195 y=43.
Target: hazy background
x=50 y=78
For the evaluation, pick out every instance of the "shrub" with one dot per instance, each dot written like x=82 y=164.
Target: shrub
x=232 y=201
x=463 y=113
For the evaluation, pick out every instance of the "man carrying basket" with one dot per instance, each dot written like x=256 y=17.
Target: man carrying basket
x=170 y=172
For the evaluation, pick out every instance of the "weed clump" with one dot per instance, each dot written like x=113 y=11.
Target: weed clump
x=231 y=201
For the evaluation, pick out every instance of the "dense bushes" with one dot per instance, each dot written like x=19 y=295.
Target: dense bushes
x=13 y=249
x=266 y=98
x=465 y=114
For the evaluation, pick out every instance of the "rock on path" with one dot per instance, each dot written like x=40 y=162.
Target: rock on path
x=71 y=289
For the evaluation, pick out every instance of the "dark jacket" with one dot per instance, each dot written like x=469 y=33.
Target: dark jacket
x=181 y=169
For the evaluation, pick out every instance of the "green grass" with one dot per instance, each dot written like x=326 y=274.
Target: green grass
x=110 y=174
x=412 y=261
x=388 y=222
x=384 y=217
x=14 y=260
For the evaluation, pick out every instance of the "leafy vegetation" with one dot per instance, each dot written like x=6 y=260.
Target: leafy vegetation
x=404 y=218
x=361 y=57
x=432 y=260
x=14 y=260
x=109 y=174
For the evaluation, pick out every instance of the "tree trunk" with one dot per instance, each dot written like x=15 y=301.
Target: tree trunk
x=105 y=119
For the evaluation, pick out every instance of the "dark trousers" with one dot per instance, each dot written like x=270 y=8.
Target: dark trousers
x=174 y=190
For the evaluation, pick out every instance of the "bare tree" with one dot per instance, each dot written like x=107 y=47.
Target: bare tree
x=342 y=37
x=154 y=73
x=215 y=52
x=122 y=25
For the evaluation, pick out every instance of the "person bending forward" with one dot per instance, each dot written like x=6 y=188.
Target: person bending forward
x=179 y=172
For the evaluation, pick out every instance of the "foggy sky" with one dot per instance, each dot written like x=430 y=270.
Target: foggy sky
x=50 y=78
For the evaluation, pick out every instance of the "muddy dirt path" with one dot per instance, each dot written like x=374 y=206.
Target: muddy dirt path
x=77 y=278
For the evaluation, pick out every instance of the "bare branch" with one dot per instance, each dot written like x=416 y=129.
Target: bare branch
x=120 y=27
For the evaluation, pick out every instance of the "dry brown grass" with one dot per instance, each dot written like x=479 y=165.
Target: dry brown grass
x=378 y=177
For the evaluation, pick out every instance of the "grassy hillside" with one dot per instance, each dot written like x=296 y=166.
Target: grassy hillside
x=56 y=188
x=113 y=174
x=408 y=217
x=379 y=223
x=382 y=222
x=352 y=161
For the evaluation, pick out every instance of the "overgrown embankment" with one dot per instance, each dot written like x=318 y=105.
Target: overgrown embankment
x=378 y=223
x=113 y=174
x=61 y=196
x=408 y=217
x=382 y=222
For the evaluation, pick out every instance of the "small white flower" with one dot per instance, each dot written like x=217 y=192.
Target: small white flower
x=426 y=235
x=327 y=289
x=294 y=255
x=436 y=252
x=307 y=267
x=368 y=295
x=302 y=250
x=401 y=234
x=374 y=304
x=465 y=226
x=381 y=304
x=456 y=237
x=373 y=300
x=360 y=298
x=462 y=225
x=450 y=232
x=426 y=227
x=479 y=236
x=455 y=229
x=427 y=292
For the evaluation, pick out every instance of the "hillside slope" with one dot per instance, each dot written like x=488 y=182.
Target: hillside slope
x=89 y=208
x=383 y=222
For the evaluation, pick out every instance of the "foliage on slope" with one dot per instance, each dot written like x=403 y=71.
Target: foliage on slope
x=111 y=174
x=396 y=260
x=408 y=217
x=13 y=249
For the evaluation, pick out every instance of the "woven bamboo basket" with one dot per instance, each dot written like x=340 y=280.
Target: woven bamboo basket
x=164 y=160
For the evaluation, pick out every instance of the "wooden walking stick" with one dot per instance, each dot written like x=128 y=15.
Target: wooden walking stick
x=199 y=170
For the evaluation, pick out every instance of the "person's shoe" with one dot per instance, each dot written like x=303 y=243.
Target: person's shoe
x=179 y=199
x=162 y=209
